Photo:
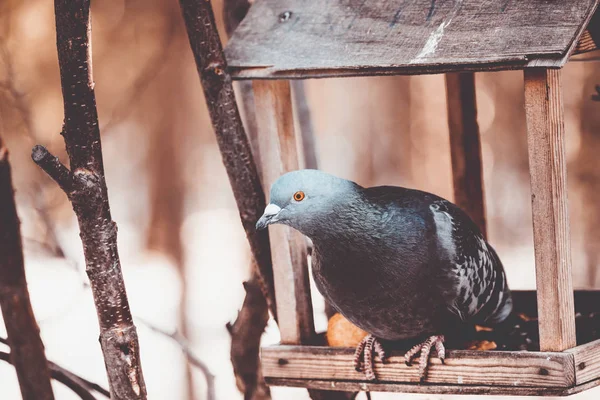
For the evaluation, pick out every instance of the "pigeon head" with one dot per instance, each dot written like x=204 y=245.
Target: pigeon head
x=305 y=199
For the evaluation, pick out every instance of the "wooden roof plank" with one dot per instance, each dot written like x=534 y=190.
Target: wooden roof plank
x=281 y=36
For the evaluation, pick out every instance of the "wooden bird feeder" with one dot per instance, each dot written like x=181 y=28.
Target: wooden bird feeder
x=281 y=40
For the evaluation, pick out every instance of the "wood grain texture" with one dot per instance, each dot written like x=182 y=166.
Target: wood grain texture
x=279 y=154
x=462 y=367
x=587 y=362
x=586 y=43
x=432 y=389
x=465 y=146
x=326 y=37
x=547 y=166
x=590 y=38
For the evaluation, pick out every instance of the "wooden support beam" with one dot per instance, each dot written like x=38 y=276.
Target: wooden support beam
x=547 y=167
x=465 y=146
x=279 y=154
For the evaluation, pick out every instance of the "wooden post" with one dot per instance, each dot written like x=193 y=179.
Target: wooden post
x=547 y=167
x=465 y=146
x=279 y=154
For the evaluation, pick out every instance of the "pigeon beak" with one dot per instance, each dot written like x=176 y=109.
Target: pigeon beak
x=268 y=217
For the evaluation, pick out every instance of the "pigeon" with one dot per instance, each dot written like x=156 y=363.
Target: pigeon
x=398 y=263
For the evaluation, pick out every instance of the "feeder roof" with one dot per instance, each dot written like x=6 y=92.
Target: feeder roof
x=324 y=38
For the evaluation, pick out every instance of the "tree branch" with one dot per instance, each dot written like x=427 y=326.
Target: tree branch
x=246 y=333
x=231 y=137
x=27 y=354
x=247 y=330
x=54 y=168
x=189 y=354
x=85 y=186
x=77 y=384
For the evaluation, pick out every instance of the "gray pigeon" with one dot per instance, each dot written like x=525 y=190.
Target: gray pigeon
x=396 y=262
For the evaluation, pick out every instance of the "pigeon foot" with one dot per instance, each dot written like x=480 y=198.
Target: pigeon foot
x=364 y=355
x=425 y=350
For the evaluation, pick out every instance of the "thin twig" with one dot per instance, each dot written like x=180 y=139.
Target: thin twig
x=186 y=348
x=70 y=375
x=85 y=187
x=58 y=375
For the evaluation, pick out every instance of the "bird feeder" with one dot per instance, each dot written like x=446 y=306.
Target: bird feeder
x=281 y=40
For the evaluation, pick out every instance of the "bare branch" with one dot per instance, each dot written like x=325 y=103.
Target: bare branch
x=54 y=168
x=231 y=137
x=86 y=188
x=187 y=350
x=27 y=353
x=246 y=333
x=79 y=390
x=77 y=384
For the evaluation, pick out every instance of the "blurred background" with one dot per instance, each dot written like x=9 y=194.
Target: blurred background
x=183 y=249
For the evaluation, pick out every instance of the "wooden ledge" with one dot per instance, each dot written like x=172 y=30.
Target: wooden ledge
x=465 y=371
x=462 y=367
x=351 y=386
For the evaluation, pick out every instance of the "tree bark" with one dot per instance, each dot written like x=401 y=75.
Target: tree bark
x=252 y=318
x=231 y=137
x=27 y=350
x=85 y=187
x=245 y=333
x=247 y=329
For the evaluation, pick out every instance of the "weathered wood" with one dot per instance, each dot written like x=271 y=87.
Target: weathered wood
x=462 y=367
x=241 y=74
x=591 y=36
x=326 y=37
x=465 y=146
x=586 y=43
x=547 y=166
x=587 y=362
x=432 y=389
x=279 y=154
x=305 y=125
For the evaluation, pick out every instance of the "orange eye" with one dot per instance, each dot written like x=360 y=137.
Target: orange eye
x=299 y=196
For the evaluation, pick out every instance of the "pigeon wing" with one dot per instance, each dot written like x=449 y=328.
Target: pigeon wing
x=478 y=291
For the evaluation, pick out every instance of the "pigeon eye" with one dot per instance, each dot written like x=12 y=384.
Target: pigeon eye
x=299 y=196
